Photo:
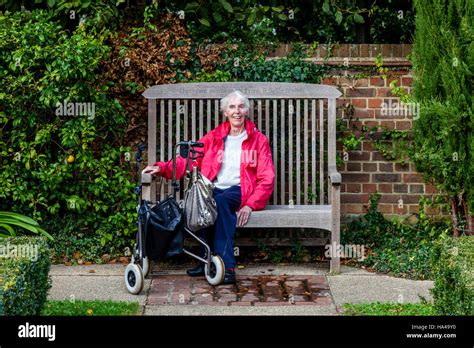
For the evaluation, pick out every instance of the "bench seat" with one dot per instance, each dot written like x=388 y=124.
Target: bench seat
x=286 y=216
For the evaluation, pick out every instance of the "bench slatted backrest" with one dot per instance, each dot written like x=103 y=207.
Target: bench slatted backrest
x=299 y=120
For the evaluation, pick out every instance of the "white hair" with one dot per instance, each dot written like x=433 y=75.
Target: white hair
x=225 y=101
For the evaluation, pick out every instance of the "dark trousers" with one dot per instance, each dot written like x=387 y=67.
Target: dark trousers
x=220 y=236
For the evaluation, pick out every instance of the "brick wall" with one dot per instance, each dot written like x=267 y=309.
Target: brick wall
x=366 y=170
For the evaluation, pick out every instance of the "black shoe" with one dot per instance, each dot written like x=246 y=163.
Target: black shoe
x=197 y=271
x=229 y=277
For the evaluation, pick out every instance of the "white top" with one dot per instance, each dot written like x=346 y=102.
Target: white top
x=229 y=174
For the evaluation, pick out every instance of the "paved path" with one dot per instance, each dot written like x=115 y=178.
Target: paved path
x=260 y=290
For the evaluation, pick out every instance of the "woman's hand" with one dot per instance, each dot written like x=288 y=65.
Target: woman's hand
x=243 y=215
x=153 y=170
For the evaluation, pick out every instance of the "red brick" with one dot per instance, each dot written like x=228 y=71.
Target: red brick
x=386 y=177
x=362 y=113
x=355 y=177
x=370 y=167
x=377 y=156
x=330 y=81
x=431 y=211
x=407 y=81
x=387 y=124
x=406 y=49
x=371 y=124
x=374 y=50
x=389 y=80
x=386 y=167
x=400 y=188
x=416 y=189
x=385 y=208
x=364 y=50
x=402 y=168
x=359 y=102
x=367 y=146
x=353 y=188
x=354 y=50
x=389 y=199
x=386 y=50
x=354 y=198
x=369 y=188
x=415 y=178
x=360 y=92
x=384 y=92
x=352 y=208
x=375 y=102
x=342 y=51
x=353 y=167
x=400 y=210
x=403 y=125
x=362 y=82
x=377 y=81
x=413 y=208
x=397 y=51
x=385 y=188
x=411 y=199
x=430 y=189
x=359 y=156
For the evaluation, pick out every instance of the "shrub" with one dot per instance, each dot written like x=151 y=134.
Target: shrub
x=443 y=57
x=453 y=291
x=54 y=163
x=25 y=281
x=395 y=247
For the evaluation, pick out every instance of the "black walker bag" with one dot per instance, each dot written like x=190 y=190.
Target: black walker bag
x=163 y=224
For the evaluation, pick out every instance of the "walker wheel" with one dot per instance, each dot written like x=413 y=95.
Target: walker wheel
x=134 y=278
x=216 y=273
x=144 y=263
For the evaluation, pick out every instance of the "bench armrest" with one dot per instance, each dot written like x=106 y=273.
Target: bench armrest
x=147 y=178
x=334 y=175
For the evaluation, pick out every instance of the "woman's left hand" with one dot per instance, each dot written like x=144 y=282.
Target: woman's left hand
x=243 y=215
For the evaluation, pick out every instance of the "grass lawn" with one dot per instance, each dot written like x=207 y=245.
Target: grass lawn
x=377 y=308
x=90 y=308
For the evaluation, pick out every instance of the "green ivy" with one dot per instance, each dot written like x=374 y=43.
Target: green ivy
x=394 y=246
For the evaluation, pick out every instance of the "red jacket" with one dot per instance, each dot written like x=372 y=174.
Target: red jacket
x=257 y=173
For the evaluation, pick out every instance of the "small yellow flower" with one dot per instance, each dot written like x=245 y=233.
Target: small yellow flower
x=89 y=312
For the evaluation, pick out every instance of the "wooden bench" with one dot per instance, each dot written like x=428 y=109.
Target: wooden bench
x=300 y=122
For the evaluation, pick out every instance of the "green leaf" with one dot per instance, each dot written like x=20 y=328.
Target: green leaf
x=277 y=9
x=191 y=6
x=226 y=6
x=217 y=17
x=282 y=16
x=251 y=18
x=358 y=18
x=338 y=17
x=205 y=22
x=11 y=215
x=51 y=3
x=9 y=229
x=326 y=6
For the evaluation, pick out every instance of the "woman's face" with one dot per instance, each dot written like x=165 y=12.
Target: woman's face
x=235 y=112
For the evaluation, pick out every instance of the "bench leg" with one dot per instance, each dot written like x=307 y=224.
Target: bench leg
x=335 y=264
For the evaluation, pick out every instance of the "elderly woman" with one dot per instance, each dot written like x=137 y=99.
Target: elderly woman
x=238 y=160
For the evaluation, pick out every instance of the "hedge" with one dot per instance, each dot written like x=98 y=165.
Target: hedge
x=24 y=283
x=453 y=291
